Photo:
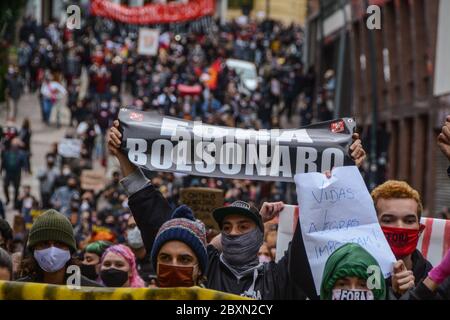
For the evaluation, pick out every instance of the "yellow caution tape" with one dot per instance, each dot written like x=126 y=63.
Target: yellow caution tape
x=11 y=290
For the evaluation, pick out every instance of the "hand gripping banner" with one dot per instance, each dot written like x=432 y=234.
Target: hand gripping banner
x=161 y=143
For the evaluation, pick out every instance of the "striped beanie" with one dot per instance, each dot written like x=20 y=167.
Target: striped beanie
x=185 y=228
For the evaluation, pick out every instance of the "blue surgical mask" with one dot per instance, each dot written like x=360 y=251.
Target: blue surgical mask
x=52 y=259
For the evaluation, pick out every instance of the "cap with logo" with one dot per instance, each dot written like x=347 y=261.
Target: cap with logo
x=241 y=208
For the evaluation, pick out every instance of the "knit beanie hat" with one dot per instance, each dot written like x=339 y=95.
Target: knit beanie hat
x=185 y=228
x=98 y=247
x=349 y=260
x=52 y=226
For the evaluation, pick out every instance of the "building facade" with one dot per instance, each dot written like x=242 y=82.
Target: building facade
x=287 y=11
x=409 y=59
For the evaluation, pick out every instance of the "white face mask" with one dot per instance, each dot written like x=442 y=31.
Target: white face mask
x=344 y=294
x=52 y=259
x=85 y=206
x=134 y=238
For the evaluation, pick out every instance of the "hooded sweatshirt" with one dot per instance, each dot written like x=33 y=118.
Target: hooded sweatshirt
x=350 y=260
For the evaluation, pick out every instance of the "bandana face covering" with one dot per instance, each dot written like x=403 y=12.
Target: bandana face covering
x=170 y=276
x=344 y=294
x=242 y=250
x=402 y=241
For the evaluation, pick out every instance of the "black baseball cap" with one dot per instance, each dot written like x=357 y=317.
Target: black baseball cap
x=240 y=208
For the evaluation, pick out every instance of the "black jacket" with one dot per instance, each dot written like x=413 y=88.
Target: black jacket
x=421 y=292
x=420 y=269
x=271 y=281
x=421 y=266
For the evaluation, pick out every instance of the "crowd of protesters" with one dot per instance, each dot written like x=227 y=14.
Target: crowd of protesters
x=133 y=232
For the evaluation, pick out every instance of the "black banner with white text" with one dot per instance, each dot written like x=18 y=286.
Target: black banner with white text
x=162 y=143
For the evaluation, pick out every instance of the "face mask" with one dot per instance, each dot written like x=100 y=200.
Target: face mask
x=51 y=259
x=134 y=238
x=175 y=276
x=66 y=171
x=402 y=241
x=88 y=270
x=343 y=294
x=114 y=278
x=242 y=250
x=85 y=206
x=264 y=259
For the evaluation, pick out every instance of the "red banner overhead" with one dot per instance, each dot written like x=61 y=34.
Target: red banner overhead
x=153 y=13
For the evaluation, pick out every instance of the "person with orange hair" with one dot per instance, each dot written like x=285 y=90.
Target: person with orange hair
x=399 y=209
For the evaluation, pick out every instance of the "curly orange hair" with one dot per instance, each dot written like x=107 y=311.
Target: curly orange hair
x=397 y=189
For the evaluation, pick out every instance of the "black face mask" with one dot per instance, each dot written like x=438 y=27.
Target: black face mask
x=88 y=270
x=113 y=277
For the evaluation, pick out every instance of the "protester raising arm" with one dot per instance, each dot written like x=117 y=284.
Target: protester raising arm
x=148 y=206
x=357 y=151
x=114 y=142
x=269 y=210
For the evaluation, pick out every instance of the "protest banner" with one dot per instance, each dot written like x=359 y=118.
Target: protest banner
x=338 y=210
x=93 y=180
x=203 y=201
x=69 y=148
x=287 y=222
x=153 y=13
x=148 y=42
x=161 y=143
x=433 y=243
x=13 y=290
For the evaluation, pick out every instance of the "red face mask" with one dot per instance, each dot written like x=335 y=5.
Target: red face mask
x=402 y=241
x=175 y=276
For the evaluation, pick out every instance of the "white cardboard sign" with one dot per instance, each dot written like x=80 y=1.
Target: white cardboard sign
x=336 y=211
x=148 y=41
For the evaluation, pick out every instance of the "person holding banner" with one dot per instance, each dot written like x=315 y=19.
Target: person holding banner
x=346 y=277
x=236 y=268
x=151 y=210
x=399 y=209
